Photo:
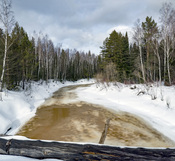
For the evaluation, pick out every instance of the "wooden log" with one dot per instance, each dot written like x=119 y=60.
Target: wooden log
x=105 y=131
x=69 y=151
x=3 y=146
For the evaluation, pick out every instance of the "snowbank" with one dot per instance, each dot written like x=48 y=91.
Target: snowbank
x=154 y=104
x=18 y=107
x=17 y=158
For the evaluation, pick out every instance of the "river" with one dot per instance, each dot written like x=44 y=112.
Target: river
x=62 y=118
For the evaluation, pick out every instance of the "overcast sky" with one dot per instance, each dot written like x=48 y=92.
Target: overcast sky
x=82 y=24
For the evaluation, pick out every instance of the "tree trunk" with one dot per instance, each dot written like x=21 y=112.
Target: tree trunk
x=164 y=59
x=168 y=68
x=4 y=62
x=156 y=52
x=7 y=20
x=160 y=79
x=168 y=59
x=70 y=151
x=141 y=63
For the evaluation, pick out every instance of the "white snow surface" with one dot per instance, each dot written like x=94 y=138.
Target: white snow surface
x=17 y=158
x=120 y=97
x=18 y=107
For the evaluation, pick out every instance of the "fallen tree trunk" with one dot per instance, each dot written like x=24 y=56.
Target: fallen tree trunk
x=69 y=151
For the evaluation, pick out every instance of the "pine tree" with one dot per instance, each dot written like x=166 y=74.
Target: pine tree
x=115 y=50
x=149 y=30
x=126 y=56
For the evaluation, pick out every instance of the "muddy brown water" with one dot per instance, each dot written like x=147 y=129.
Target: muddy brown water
x=63 y=119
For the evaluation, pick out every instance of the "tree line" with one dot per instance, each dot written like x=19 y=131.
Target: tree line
x=38 y=59
x=23 y=59
x=151 y=55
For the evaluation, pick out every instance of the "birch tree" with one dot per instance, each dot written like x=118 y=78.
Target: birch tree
x=156 y=45
x=138 y=36
x=46 y=49
x=39 y=46
x=7 y=19
x=167 y=18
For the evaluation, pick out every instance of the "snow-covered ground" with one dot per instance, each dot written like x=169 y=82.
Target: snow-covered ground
x=159 y=112
x=18 y=107
x=17 y=158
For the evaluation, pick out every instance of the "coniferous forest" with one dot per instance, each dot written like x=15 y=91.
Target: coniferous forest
x=38 y=59
x=148 y=57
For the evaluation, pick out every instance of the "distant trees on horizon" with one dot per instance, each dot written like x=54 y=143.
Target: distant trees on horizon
x=38 y=59
x=23 y=59
x=151 y=57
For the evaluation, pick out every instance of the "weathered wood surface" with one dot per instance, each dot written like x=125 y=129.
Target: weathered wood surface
x=105 y=131
x=69 y=151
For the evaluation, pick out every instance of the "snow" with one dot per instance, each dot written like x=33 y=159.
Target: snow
x=121 y=97
x=17 y=158
x=18 y=107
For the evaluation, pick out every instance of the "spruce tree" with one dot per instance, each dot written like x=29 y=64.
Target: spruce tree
x=149 y=30
x=115 y=50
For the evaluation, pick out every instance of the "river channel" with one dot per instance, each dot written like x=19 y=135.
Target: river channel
x=63 y=119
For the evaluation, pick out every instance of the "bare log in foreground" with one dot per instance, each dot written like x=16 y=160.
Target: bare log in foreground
x=70 y=151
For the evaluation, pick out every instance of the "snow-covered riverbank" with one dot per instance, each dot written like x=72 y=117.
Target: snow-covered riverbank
x=156 y=105
x=18 y=107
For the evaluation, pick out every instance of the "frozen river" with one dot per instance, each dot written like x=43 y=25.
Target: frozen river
x=62 y=118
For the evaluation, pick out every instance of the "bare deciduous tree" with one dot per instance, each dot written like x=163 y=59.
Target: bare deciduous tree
x=167 y=18
x=7 y=19
x=138 y=36
x=156 y=44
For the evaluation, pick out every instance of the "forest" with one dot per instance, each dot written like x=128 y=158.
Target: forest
x=149 y=57
x=24 y=60
x=38 y=59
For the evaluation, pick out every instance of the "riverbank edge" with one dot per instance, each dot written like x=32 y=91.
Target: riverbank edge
x=121 y=97
x=19 y=107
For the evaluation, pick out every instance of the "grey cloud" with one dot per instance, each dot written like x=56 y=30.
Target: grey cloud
x=80 y=22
